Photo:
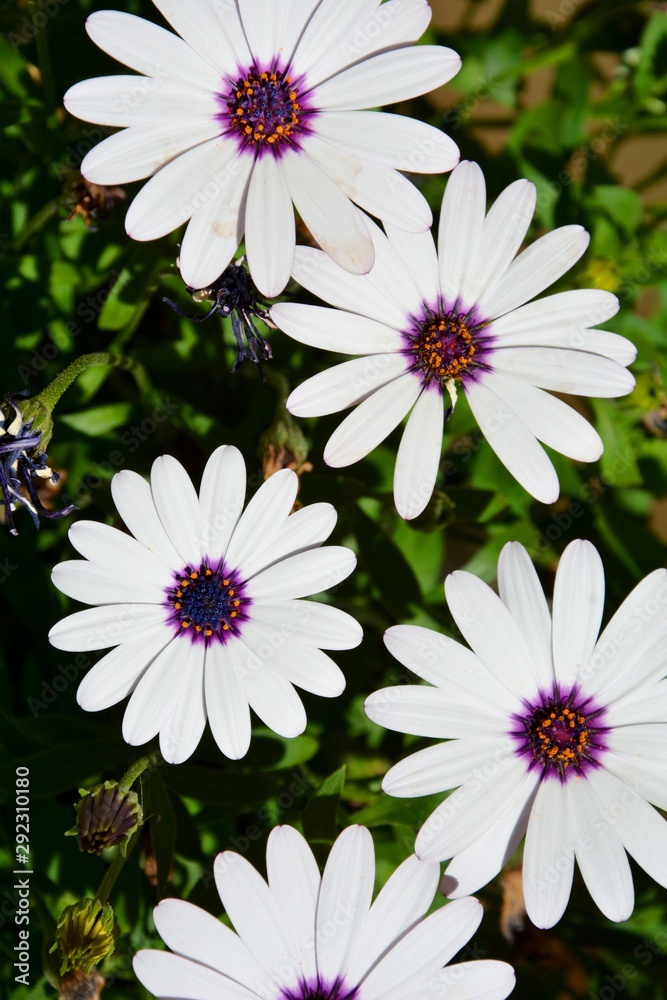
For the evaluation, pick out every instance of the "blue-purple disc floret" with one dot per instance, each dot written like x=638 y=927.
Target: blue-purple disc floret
x=448 y=342
x=267 y=110
x=208 y=603
x=320 y=989
x=562 y=732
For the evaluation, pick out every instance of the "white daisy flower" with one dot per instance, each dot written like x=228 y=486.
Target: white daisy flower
x=551 y=731
x=203 y=606
x=260 y=104
x=429 y=323
x=304 y=936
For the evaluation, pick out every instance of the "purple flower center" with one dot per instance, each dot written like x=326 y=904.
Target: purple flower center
x=319 y=990
x=446 y=344
x=264 y=110
x=208 y=603
x=561 y=734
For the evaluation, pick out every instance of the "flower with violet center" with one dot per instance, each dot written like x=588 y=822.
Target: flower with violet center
x=304 y=936
x=260 y=103
x=430 y=324
x=551 y=731
x=203 y=605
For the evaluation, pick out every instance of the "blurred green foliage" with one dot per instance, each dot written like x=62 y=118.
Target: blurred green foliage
x=564 y=98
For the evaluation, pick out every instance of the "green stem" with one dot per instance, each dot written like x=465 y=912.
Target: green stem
x=44 y=56
x=37 y=222
x=115 y=868
x=139 y=766
x=49 y=397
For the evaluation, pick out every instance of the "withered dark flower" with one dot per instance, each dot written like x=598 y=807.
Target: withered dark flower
x=234 y=295
x=23 y=463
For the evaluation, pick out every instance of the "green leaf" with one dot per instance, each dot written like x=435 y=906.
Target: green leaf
x=159 y=813
x=99 y=420
x=622 y=205
x=405 y=812
x=320 y=815
x=220 y=788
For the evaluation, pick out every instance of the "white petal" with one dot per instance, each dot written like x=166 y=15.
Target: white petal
x=226 y=704
x=326 y=34
x=294 y=880
x=478 y=980
x=450 y=665
x=372 y=421
x=181 y=188
x=575 y=372
x=301 y=575
x=137 y=152
x=134 y=500
x=600 y=854
x=572 y=338
x=478 y=864
x=439 y=768
x=426 y=711
x=270 y=695
x=620 y=657
x=392 y=278
x=221 y=497
x=396 y=22
x=181 y=733
x=334 y=222
x=139 y=100
x=178 y=507
x=573 y=310
x=420 y=258
x=198 y=24
x=193 y=932
x=119 y=554
x=424 y=950
x=298 y=16
x=460 y=231
x=318 y=273
x=167 y=975
x=307 y=667
x=492 y=633
x=577 y=609
x=641 y=773
x=256 y=915
x=345 y=899
x=149 y=49
x=503 y=233
x=345 y=385
x=216 y=228
x=305 y=529
x=521 y=592
x=310 y=623
x=98 y=628
x=513 y=441
x=263 y=519
x=548 y=855
x=381 y=191
x=264 y=25
x=85 y=582
x=403 y=900
x=391 y=140
x=418 y=458
x=470 y=810
x=641 y=828
x=638 y=710
x=388 y=78
x=270 y=227
x=156 y=694
x=335 y=330
x=116 y=674
x=539 y=266
x=552 y=421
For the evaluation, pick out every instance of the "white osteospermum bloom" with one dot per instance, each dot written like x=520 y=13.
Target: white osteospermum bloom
x=258 y=105
x=430 y=322
x=203 y=605
x=304 y=936
x=551 y=731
